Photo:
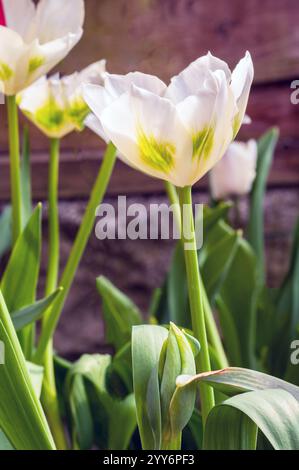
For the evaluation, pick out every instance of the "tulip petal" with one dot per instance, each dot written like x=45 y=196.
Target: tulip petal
x=235 y=172
x=19 y=15
x=46 y=56
x=13 y=60
x=146 y=129
x=95 y=125
x=97 y=98
x=56 y=19
x=220 y=131
x=242 y=78
x=195 y=77
x=116 y=85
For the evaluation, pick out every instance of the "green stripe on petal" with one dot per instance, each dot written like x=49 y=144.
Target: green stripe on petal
x=50 y=116
x=78 y=112
x=157 y=155
x=236 y=125
x=35 y=63
x=203 y=142
x=5 y=72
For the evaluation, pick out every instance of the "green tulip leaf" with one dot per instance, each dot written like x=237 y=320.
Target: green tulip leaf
x=120 y=313
x=274 y=412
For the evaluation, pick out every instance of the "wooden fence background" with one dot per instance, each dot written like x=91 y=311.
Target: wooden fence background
x=162 y=37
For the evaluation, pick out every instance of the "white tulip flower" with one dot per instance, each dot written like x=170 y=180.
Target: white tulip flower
x=176 y=133
x=33 y=39
x=235 y=173
x=55 y=105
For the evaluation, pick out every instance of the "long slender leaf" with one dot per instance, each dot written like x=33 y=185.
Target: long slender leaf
x=238 y=306
x=21 y=415
x=235 y=380
x=20 y=278
x=36 y=375
x=26 y=177
x=33 y=312
x=5 y=230
x=266 y=147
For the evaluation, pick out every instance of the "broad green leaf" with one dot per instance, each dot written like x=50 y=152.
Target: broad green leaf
x=123 y=411
x=147 y=342
x=33 y=312
x=36 y=375
x=26 y=178
x=177 y=290
x=274 y=412
x=183 y=400
x=217 y=257
x=5 y=230
x=80 y=412
x=235 y=380
x=237 y=307
x=213 y=215
x=106 y=411
x=157 y=362
x=20 y=278
x=21 y=415
x=120 y=313
x=19 y=281
x=4 y=442
x=266 y=147
x=287 y=313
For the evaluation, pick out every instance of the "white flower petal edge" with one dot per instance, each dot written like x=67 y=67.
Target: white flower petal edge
x=36 y=39
x=195 y=77
x=236 y=171
x=242 y=78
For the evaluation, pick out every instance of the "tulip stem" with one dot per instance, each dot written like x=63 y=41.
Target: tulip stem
x=15 y=168
x=195 y=296
x=53 y=252
x=175 y=203
x=212 y=330
x=49 y=392
x=96 y=197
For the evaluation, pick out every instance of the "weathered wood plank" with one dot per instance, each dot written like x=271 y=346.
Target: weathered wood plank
x=163 y=36
x=269 y=106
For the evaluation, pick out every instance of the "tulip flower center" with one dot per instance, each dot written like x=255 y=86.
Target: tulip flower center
x=203 y=143
x=158 y=155
x=2 y=15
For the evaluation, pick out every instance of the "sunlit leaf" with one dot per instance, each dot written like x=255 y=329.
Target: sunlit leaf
x=274 y=412
x=21 y=415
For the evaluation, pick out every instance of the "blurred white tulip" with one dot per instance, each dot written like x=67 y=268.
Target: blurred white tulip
x=236 y=171
x=176 y=133
x=55 y=105
x=33 y=39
